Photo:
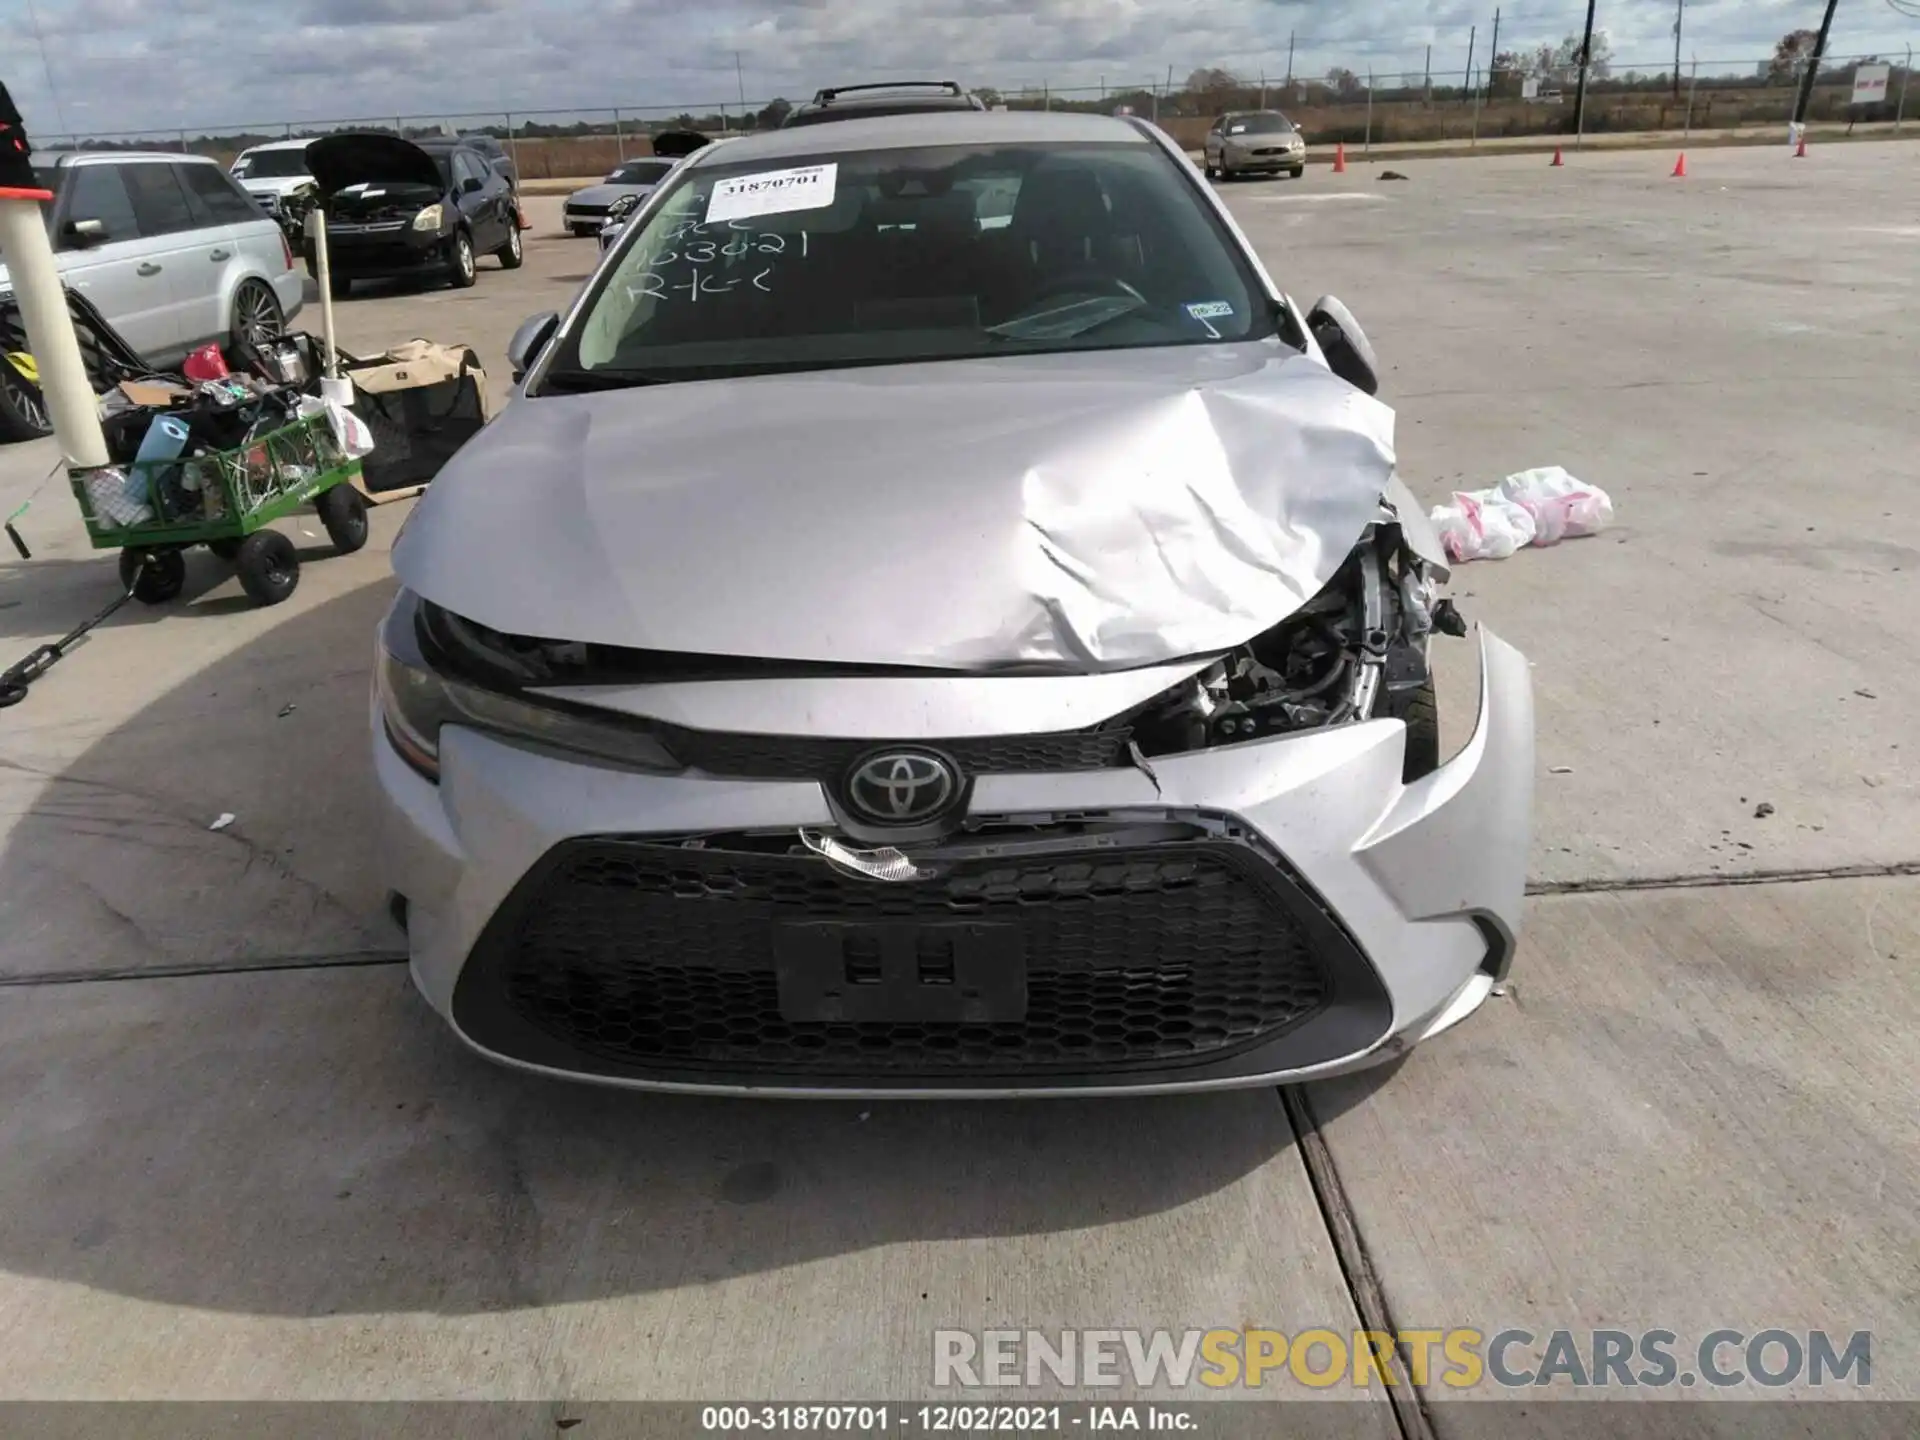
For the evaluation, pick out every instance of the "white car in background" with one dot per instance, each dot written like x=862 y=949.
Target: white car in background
x=170 y=251
x=270 y=173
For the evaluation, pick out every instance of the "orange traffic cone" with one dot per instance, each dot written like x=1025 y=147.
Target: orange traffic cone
x=1800 y=150
x=1680 y=167
x=1340 y=158
x=520 y=216
x=1557 y=161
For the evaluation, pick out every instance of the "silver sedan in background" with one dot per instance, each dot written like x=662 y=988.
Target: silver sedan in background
x=1255 y=142
x=585 y=210
x=941 y=658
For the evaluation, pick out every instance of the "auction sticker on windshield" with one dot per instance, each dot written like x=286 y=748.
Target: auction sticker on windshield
x=773 y=192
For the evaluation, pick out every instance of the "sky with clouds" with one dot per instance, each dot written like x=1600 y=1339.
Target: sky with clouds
x=119 y=65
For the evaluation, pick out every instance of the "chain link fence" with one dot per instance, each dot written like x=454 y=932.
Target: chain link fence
x=1354 y=106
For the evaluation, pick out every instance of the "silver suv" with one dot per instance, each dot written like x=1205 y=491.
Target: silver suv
x=170 y=250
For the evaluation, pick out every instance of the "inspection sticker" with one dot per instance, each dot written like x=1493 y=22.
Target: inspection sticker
x=1210 y=310
x=772 y=192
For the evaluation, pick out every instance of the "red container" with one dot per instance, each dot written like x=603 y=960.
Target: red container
x=206 y=363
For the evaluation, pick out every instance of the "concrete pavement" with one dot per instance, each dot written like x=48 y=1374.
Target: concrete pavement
x=1694 y=1110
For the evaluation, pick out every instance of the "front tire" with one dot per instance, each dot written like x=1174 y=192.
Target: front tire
x=1421 y=715
x=511 y=253
x=267 y=566
x=343 y=512
x=1297 y=171
x=460 y=267
x=339 y=286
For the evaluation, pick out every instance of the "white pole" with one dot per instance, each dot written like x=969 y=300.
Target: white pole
x=317 y=227
x=71 y=403
x=1900 y=114
x=1687 y=134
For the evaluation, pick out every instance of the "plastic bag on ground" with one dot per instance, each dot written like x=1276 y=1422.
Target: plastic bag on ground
x=1561 y=506
x=1482 y=525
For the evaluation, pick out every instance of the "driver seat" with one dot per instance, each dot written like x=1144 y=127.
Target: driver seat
x=1061 y=221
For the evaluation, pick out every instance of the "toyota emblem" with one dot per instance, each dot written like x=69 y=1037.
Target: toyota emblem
x=901 y=787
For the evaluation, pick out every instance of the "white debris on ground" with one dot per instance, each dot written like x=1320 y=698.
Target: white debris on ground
x=1531 y=507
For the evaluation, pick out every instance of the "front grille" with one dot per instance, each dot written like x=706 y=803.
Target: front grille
x=630 y=955
x=798 y=757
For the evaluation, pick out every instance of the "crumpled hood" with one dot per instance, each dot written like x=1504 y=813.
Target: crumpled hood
x=1082 y=512
x=277 y=185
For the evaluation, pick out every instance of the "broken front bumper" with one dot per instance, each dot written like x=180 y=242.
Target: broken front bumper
x=1409 y=895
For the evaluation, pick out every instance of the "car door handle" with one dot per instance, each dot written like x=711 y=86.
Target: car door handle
x=148 y=269
x=220 y=255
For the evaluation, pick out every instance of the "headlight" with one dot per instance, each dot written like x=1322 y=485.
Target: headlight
x=416 y=701
x=429 y=218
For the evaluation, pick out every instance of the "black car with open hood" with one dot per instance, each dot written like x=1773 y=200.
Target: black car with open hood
x=394 y=207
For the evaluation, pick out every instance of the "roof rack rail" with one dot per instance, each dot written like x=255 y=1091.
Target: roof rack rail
x=950 y=87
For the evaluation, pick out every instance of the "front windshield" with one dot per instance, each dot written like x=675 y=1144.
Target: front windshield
x=903 y=255
x=271 y=165
x=1268 y=124
x=640 y=172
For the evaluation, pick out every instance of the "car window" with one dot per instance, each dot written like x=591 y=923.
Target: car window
x=1259 y=125
x=100 y=194
x=467 y=167
x=159 y=204
x=944 y=252
x=271 y=165
x=224 y=202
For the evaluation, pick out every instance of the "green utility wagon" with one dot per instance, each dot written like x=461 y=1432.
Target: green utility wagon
x=151 y=511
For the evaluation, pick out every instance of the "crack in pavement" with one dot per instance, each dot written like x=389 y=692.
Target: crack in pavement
x=1713 y=880
x=337 y=960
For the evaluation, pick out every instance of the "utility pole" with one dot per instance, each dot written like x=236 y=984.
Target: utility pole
x=1679 y=14
x=1580 y=95
x=1472 y=33
x=1289 y=59
x=740 y=80
x=1493 y=55
x=1813 y=66
x=1427 y=84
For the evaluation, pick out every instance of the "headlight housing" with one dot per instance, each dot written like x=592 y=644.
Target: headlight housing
x=416 y=701
x=430 y=218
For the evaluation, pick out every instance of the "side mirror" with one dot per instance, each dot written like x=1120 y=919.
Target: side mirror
x=528 y=341
x=1345 y=345
x=87 y=232
x=471 y=185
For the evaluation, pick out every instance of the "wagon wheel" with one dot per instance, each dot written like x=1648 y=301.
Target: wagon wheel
x=154 y=576
x=267 y=566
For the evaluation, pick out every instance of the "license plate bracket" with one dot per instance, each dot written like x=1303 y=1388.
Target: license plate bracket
x=900 y=972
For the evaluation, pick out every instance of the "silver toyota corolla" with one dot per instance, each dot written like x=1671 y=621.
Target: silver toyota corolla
x=878 y=651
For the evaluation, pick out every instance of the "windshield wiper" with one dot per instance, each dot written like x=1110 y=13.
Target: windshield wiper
x=578 y=380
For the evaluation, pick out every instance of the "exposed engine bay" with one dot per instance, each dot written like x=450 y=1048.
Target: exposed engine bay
x=1357 y=650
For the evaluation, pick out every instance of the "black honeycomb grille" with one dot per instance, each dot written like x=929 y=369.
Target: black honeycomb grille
x=799 y=757
x=657 y=957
